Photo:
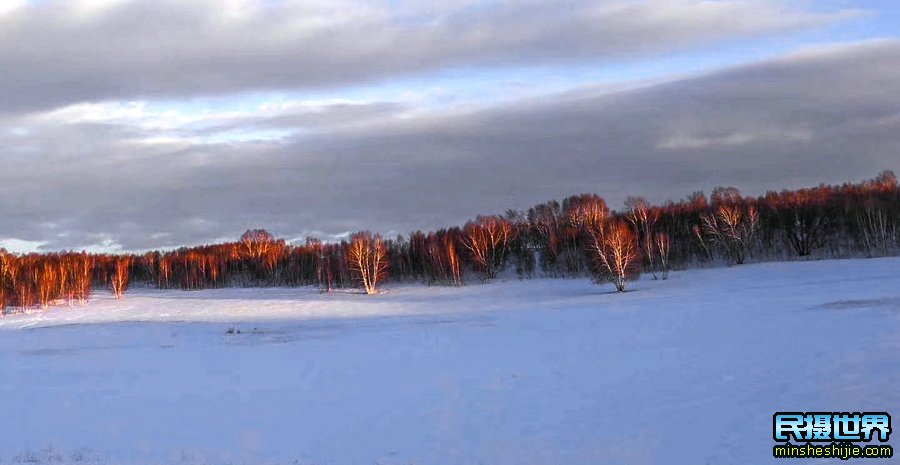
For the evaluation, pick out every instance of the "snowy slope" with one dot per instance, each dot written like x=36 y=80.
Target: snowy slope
x=685 y=371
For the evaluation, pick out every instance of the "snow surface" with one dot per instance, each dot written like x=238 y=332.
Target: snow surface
x=684 y=371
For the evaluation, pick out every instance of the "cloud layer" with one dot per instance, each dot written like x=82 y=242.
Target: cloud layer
x=60 y=52
x=119 y=174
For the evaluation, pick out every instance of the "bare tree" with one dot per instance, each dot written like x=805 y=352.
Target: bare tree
x=614 y=252
x=801 y=216
x=324 y=273
x=643 y=218
x=165 y=272
x=663 y=244
x=118 y=282
x=546 y=221
x=697 y=231
x=452 y=259
x=255 y=243
x=878 y=228
x=580 y=212
x=46 y=278
x=487 y=240
x=367 y=259
x=83 y=274
x=586 y=210
x=6 y=267
x=732 y=224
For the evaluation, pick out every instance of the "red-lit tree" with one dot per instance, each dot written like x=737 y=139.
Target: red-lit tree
x=118 y=282
x=487 y=239
x=613 y=251
x=367 y=259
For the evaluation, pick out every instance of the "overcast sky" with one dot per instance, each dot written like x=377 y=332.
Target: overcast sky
x=130 y=125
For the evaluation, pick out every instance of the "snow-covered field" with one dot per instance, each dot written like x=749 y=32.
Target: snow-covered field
x=685 y=371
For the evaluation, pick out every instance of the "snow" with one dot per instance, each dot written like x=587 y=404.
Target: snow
x=683 y=371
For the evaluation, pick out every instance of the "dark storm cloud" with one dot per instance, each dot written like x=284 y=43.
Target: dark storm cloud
x=58 y=52
x=826 y=115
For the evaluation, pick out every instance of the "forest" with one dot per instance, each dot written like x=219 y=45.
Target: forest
x=578 y=237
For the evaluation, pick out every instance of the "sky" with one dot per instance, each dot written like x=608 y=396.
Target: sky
x=132 y=125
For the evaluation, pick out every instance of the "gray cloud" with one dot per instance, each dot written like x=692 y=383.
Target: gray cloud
x=828 y=115
x=59 y=52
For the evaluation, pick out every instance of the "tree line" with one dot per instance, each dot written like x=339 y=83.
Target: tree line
x=580 y=236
